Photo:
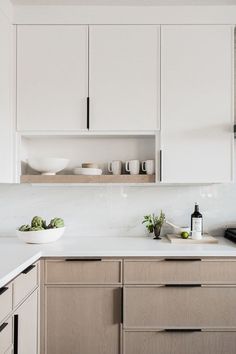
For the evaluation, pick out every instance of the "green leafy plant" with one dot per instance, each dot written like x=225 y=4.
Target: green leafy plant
x=153 y=221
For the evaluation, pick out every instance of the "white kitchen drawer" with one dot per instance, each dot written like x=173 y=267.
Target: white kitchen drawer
x=25 y=283
x=5 y=301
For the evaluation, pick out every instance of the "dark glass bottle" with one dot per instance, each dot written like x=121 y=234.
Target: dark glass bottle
x=196 y=220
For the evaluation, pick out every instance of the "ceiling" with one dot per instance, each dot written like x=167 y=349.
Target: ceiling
x=125 y=2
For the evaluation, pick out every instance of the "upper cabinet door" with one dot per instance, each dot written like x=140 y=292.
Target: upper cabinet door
x=197 y=103
x=52 y=77
x=124 y=77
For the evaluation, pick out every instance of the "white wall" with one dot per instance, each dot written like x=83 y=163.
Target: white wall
x=115 y=211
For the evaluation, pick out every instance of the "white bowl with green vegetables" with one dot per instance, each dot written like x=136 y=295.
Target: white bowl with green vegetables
x=41 y=232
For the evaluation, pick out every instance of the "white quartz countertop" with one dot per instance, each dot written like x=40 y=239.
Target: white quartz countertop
x=15 y=255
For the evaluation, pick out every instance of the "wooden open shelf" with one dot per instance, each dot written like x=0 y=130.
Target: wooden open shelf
x=88 y=179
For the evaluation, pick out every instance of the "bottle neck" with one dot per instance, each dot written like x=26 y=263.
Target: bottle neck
x=196 y=208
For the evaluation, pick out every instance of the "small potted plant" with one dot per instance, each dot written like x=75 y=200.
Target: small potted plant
x=154 y=224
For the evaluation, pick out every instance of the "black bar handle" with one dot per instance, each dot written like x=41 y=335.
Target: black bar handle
x=88 y=112
x=183 y=285
x=3 y=326
x=182 y=259
x=83 y=259
x=28 y=269
x=122 y=306
x=160 y=165
x=182 y=330
x=3 y=290
x=16 y=326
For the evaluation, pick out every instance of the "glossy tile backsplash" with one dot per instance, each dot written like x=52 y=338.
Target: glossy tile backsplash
x=116 y=211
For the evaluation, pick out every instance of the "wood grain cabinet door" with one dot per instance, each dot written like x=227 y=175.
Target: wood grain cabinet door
x=83 y=320
x=179 y=342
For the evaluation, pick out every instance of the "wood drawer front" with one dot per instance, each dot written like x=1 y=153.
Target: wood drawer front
x=83 y=272
x=25 y=283
x=162 y=271
x=5 y=301
x=5 y=336
x=182 y=343
x=163 y=307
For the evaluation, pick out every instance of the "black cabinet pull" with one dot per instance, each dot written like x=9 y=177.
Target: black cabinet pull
x=183 y=285
x=182 y=330
x=182 y=259
x=88 y=113
x=28 y=269
x=16 y=326
x=3 y=326
x=83 y=259
x=2 y=290
x=160 y=165
x=122 y=306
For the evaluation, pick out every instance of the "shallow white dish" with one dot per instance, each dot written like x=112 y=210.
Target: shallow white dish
x=41 y=236
x=87 y=171
x=48 y=165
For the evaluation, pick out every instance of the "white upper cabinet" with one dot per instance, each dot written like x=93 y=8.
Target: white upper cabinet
x=124 y=77
x=52 y=77
x=197 y=103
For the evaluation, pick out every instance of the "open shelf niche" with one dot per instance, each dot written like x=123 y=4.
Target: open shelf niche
x=99 y=149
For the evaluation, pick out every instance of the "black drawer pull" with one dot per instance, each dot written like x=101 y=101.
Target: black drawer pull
x=183 y=285
x=3 y=290
x=28 y=269
x=3 y=326
x=182 y=259
x=16 y=328
x=182 y=330
x=83 y=259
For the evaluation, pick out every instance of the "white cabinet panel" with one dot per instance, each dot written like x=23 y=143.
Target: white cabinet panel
x=52 y=77
x=197 y=104
x=124 y=77
x=6 y=124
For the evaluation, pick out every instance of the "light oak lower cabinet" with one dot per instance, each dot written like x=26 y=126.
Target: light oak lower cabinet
x=6 y=337
x=177 y=306
x=26 y=326
x=82 y=320
x=179 y=342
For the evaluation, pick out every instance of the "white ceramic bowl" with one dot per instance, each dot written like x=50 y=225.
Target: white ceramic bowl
x=48 y=165
x=41 y=236
x=87 y=171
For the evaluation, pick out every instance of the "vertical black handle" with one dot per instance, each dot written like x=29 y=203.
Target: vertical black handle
x=122 y=305
x=16 y=327
x=160 y=165
x=88 y=113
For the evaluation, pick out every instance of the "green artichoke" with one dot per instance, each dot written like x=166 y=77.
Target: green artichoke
x=37 y=221
x=24 y=228
x=36 y=228
x=55 y=223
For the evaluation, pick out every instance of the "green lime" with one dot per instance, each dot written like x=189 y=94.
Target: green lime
x=184 y=234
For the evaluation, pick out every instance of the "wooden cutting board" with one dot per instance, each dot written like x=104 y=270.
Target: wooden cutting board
x=173 y=238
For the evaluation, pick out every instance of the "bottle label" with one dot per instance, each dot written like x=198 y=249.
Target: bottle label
x=197 y=224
